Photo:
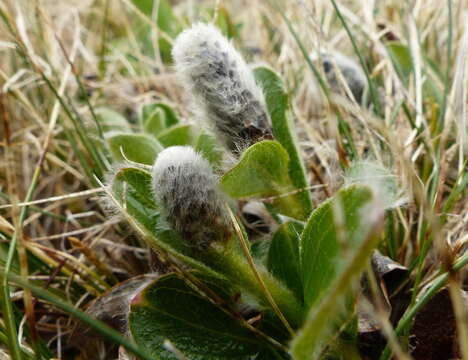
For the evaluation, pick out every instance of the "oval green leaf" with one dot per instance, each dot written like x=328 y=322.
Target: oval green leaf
x=262 y=171
x=337 y=244
x=176 y=135
x=156 y=117
x=132 y=188
x=283 y=256
x=155 y=122
x=111 y=120
x=170 y=310
x=208 y=146
x=139 y=148
x=168 y=23
x=401 y=58
x=332 y=231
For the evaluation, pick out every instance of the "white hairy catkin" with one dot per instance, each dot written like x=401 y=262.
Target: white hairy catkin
x=352 y=73
x=186 y=189
x=223 y=86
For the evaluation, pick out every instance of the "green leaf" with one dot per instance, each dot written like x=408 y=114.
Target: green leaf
x=401 y=58
x=210 y=149
x=336 y=246
x=177 y=135
x=155 y=122
x=167 y=20
x=338 y=219
x=111 y=120
x=283 y=256
x=277 y=101
x=431 y=90
x=259 y=249
x=136 y=147
x=165 y=49
x=169 y=309
x=132 y=183
x=403 y=62
x=158 y=116
x=168 y=23
x=262 y=171
x=145 y=6
x=225 y=24
x=132 y=188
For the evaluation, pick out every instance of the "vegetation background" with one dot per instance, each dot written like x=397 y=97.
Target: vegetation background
x=64 y=64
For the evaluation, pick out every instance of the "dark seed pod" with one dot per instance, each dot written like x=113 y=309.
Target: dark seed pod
x=223 y=86
x=186 y=189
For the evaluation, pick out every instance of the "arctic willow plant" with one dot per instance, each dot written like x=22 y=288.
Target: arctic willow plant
x=224 y=298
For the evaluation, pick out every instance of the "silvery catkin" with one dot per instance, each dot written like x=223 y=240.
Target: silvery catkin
x=222 y=85
x=186 y=189
x=352 y=73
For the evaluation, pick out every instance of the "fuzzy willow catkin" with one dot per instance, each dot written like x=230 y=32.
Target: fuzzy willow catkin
x=186 y=189
x=350 y=70
x=222 y=85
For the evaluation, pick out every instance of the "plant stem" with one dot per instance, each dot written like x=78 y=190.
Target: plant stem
x=228 y=261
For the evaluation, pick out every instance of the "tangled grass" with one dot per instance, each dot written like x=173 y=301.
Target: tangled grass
x=61 y=62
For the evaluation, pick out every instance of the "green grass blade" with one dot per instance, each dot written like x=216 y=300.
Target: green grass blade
x=7 y=308
x=372 y=89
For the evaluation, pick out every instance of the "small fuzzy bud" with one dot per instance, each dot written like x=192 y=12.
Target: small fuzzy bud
x=223 y=86
x=380 y=179
x=352 y=73
x=186 y=189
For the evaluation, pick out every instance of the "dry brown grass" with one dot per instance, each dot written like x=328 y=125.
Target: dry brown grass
x=51 y=206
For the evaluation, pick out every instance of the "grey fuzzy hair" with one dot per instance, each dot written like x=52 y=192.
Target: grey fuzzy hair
x=223 y=86
x=352 y=73
x=186 y=189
